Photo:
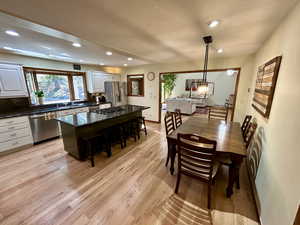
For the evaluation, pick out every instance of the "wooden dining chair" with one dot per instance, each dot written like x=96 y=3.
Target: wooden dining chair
x=218 y=112
x=250 y=133
x=245 y=125
x=170 y=127
x=177 y=118
x=196 y=158
x=226 y=160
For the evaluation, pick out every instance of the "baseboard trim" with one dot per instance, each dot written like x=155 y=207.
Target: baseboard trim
x=152 y=121
x=7 y=152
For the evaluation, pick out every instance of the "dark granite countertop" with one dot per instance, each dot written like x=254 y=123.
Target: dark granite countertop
x=46 y=109
x=87 y=118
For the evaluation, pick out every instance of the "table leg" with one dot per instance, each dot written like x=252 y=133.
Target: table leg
x=234 y=170
x=173 y=155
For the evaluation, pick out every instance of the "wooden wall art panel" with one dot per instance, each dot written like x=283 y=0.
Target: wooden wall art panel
x=265 y=86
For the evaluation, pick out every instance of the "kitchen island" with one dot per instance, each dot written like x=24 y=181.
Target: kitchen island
x=75 y=127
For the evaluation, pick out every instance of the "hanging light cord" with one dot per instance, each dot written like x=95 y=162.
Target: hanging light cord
x=205 y=64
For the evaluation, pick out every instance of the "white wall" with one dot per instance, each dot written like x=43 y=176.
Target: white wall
x=151 y=97
x=278 y=179
x=224 y=85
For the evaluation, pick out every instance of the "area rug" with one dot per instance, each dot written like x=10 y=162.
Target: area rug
x=201 y=110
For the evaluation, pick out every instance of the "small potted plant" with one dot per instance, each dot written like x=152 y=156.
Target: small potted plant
x=40 y=95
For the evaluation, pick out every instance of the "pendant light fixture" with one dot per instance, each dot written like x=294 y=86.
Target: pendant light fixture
x=203 y=87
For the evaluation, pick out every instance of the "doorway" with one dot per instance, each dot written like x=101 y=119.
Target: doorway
x=180 y=86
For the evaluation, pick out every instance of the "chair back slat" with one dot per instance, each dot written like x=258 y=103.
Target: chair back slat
x=196 y=155
x=245 y=125
x=169 y=123
x=177 y=118
x=196 y=164
x=191 y=158
x=250 y=133
x=218 y=112
x=196 y=152
x=186 y=167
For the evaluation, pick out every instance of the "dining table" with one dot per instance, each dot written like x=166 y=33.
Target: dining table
x=230 y=143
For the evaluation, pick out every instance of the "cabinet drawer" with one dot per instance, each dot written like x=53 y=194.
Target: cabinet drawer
x=105 y=106
x=12 y=121
x=72 y=111
x=14 y=127
x=86 y=109
x=64 y=113
x=8 y=136
x=15 y=143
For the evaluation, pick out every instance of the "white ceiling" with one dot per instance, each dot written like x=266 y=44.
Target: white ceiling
x=150 y=31
x=40 y=41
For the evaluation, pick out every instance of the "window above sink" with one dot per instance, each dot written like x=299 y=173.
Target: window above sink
x=57 y=86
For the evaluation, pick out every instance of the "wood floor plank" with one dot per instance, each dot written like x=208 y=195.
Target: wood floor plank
x=44 y=185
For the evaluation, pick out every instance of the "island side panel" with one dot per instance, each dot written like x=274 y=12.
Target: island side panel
x=70 y=140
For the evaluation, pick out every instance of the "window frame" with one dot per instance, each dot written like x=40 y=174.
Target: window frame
x=68 y=74
x=139 y=77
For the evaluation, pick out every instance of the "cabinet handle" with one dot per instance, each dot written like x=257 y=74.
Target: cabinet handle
x=13 y=135
x=11 y=128
x=15 y=143
x=9 y=122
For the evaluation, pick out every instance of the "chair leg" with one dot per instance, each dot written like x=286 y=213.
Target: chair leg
x=168 y=156
x=133 y=132
x=209 y=196
x=91 y=154
x=122 y=137
x=177 y=182
x=145 y=129
x=138 y=132
x=108 y=148
x=238 y=181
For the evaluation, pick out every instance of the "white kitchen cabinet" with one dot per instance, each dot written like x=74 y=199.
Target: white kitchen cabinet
x=12 y=81
x=105 y=106
x=14 y=133
x=96 y=79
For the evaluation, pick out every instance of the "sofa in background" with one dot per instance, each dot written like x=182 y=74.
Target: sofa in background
x=186 y=105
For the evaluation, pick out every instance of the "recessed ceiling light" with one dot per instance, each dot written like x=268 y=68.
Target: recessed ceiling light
x=77 y=45
x=220 y=50
x=102 y=64
x=108 y=53
x=214 y=23
x=130 y=59
x=8 y=48
x=125 y=64
x=12 y=33
x=80 y=60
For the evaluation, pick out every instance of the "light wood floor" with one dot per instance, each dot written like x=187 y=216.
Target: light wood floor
x=44 y=185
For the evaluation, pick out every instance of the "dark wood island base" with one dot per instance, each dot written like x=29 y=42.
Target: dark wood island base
x=75 y=127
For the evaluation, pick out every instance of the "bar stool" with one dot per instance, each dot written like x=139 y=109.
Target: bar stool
x=117 y=134
x=131 y=129
x=92 y=142
x=142 y=124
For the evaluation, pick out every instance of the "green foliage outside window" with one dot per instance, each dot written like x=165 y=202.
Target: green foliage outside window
x=169 y=83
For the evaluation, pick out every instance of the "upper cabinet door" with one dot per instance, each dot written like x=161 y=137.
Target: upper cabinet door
x=12 y=81
x=96 y=81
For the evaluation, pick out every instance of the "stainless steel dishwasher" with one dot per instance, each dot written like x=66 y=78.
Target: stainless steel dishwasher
x=43 y=127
